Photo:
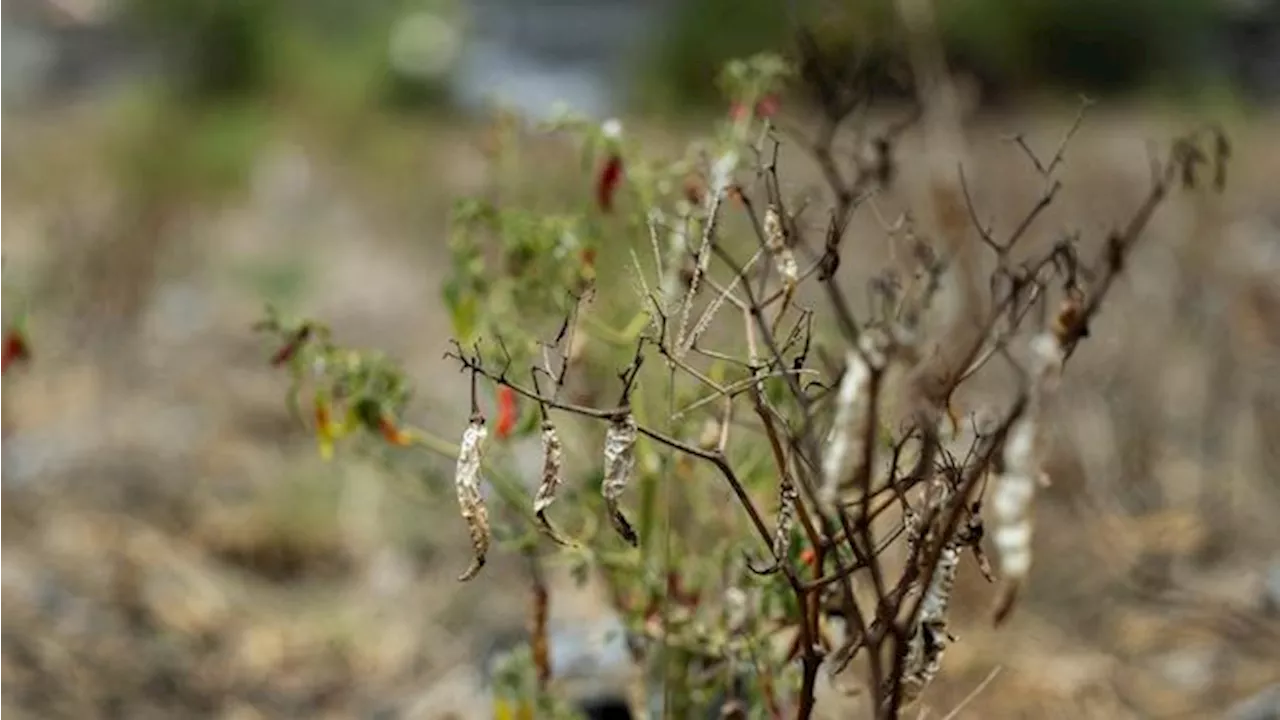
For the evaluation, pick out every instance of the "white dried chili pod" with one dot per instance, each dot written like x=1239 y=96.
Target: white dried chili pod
x=1021 y=473
x=619 y=464
x=784 y=260
x=470 y=501
x=929 y=639
x=848 y=429
x=552 y=476
x=787 y=499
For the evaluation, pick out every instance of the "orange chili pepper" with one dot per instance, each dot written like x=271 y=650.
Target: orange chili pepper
x=392 y=433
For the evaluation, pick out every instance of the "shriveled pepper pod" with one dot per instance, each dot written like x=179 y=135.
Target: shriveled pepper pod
x=467 y=483
x=619 y=464
x=787 y=499
x=552 y=476
x=1021 y=472
x=848 y=429
x=784 y=260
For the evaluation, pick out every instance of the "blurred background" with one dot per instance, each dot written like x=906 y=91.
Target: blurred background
x=173 y=546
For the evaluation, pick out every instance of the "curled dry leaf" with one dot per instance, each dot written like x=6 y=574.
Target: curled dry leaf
x=470 y=501
x=619 y=463
x=552 y=476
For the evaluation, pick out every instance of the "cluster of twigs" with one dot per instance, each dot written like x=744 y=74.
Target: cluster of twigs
x=886 y=514
x=835 y=473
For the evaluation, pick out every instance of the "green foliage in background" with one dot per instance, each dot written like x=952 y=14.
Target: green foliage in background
x=1094 y=45
x=703 y=34
x=1013 y=45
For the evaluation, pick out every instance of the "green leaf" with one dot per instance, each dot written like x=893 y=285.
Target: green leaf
x=463 y=313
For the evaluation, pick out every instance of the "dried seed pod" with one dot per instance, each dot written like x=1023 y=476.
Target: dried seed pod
x=848 y=429
x=470 y=501
x=619 y=463
x=552 y=476
x=784 y=260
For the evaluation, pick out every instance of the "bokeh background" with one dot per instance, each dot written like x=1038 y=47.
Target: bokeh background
x=173 y=545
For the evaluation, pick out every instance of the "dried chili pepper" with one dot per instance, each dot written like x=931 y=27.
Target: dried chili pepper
x=470 y=500
x=619 y=464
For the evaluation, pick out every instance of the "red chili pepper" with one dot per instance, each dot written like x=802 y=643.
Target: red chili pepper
x=809 y=557
x=15 y=348
x=767 y=106
x=607 y=182
x=286 y=353
x=506 y=412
